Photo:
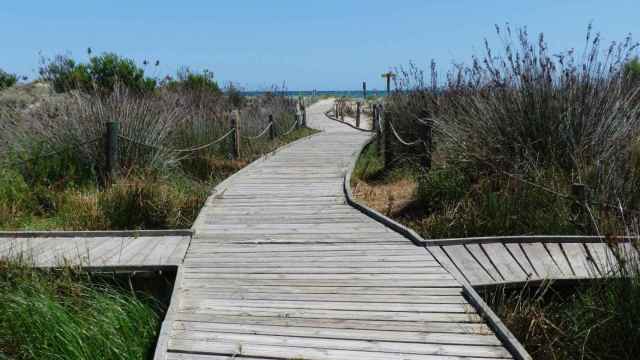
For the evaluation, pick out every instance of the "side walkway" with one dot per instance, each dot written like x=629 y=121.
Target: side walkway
x=281 y=267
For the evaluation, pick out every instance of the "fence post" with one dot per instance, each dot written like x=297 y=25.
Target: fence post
x=304 y=116
x=235 y=139
x=272 y=129
x=428 y=144
x=342 y=106
x=386 y=138
x=580 y=194
x=374 y=118
x=358 y=114
x=111 y=148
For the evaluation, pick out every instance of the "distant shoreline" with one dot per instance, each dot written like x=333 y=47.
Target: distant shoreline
x=347 y=93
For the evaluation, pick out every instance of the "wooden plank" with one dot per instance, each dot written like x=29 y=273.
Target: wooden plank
x=477 y=328
x=522 y=260
x=467 y=264
x=204 y=302
x=577 y=258
x=214 y=269
x=330 y=333
x=289 y=352
x=402 y=299
x=503 y=260
x=215 y=343
x=541 y=260
x=480 y=256
x=560 y=259
x=602 y=257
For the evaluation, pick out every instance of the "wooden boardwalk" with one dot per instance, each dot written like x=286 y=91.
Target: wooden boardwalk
x=518 y=259
x=105 y=250
x=280 y=267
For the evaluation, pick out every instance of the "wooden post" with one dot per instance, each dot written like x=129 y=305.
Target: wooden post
x=364 y=90
x=272 y=129
x=386 y=138
x=580 y=195
x=304 y=116
x=235 y=139
x=342 y=105
x=389 y=75
x=428 y=144
x=374 y=119
x=111 y=138
x=358 y=114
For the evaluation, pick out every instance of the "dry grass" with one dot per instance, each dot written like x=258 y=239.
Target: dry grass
x=389 y=198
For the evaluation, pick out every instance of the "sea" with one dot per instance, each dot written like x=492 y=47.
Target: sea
x=333 y=93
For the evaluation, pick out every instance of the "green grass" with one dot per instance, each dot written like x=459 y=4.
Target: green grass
x=61 y=315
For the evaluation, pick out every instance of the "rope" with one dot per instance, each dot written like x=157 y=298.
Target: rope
x=209 y=144
x=402 y=141
x=193 y=149
x=141 y=143
x=259 y=135
x=293 y=127
x=53 y=153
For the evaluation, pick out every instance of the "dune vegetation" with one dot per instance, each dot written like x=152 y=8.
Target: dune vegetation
x=52 y=144
x=500 y=147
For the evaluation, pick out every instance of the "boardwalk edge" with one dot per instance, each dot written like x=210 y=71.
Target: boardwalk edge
x=502 y=332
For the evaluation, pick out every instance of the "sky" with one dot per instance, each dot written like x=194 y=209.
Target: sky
x=313 y=44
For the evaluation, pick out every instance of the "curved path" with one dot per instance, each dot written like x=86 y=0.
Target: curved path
x=280 y=267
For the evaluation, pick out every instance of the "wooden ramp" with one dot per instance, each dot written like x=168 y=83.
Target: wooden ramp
x=280 y=267
x=519 y=259
x=97 y=249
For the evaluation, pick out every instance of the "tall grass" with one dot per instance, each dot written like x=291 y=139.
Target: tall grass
x=53 y=154
x=63 y=316
x=525 y=112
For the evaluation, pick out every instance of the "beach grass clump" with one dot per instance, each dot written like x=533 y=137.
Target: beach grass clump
x=62 y=315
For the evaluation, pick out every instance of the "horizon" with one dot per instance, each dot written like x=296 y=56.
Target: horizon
x=325 y=46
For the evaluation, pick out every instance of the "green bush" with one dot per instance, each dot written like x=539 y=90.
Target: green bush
x=7 y=80
x=195 y=82
x=441 y=187
x=632 y=69
x=100 y=74
x=16 y=198
x=148 y=203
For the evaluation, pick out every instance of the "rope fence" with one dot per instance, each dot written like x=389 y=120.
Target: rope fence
x=113 y=136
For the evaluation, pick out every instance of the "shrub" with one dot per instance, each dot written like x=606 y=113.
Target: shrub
x=7 y=80
x=632 y=69
x=150 y=203
x=101 y=74
x=524 y=111
x=196 y=82
x=15 y=197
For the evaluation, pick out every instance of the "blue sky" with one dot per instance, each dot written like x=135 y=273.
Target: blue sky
x=326 y=44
